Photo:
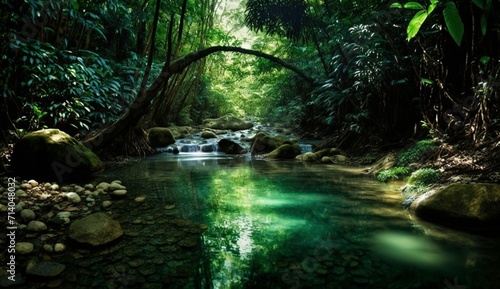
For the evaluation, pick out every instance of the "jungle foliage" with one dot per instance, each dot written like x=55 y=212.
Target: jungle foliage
x=381 y=69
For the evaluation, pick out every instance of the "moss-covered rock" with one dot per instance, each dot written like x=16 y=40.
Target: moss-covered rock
x=264 y=143
x=180 y=131
x=226 y=122
x=466 y=206
x=286 y=151
x=160 y=137
x=55 y=155
x=206 y=134
x=326 y=155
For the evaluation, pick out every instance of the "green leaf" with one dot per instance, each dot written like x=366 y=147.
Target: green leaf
x=485 y=59
x=415 y=24
x=453 y=22
x=426 y=81
x=431 y=8
x=396 y=5
x=414 y=6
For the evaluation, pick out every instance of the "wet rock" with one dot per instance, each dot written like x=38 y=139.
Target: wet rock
x=230 y=147
x=95 y=229
x=73 y=197
x=103 y=186
x=36 y=226
x=465 y=206
x=59 y=247
x=48 y=248
x=140 y=199
x=27 y=215
x=106 y=204
x=116 y=186
x=189 y=242
x=118 y=193
x=206 y=134
x=46 y=269
x=24 y=248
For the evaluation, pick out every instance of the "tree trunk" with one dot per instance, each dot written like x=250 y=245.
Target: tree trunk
x=124 y=137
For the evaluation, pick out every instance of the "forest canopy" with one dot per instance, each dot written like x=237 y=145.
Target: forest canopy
x=382 y=71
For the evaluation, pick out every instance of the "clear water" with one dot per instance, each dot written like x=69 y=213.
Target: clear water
x=287 y=224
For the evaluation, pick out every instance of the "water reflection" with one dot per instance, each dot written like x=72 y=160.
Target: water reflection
x=286 y=224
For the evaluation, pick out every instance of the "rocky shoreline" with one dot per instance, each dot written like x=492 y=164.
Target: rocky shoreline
x=58 y=230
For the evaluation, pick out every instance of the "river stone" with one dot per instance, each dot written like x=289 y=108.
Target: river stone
x=106 y=204
x=59 y=247
x=95 y=229
x=53 y=154
x=206 y=134
x=103 y=186
x=23 y=248
x=466 y=206
x=46 y=269
x=158 y=137
x=27 y=215
x=119 y=193
x=36 y=226
x=73 y=197
x=116 y=186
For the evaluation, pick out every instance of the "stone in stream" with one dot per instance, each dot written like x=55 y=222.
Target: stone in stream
x=24 y=248
x=46 y=269
x=36 y=226
x=95 y=229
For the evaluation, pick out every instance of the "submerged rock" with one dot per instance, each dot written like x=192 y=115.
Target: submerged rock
x=466 y=206
x=160 y=137
x=96 y=229
x=46 y=269
x=53 y=154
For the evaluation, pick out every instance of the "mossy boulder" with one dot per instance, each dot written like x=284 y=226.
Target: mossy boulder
x=226 y=122
x=465 y=206
x=264 y=143
x=286 y=151
x=230 y=147
x=180 y=131
x=206 y=134
x=159 y=137
x=54 y=155
x=327 y=155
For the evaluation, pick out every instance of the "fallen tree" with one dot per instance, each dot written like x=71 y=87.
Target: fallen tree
x=127 y=137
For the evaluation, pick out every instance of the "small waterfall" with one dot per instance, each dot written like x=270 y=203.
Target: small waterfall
x=189 y=148
x=305 y=147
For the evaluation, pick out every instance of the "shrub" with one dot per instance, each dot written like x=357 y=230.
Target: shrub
x=392 y=174
x=424 y=177
x=416 y=152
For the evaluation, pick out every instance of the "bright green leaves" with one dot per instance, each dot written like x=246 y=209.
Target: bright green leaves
x=415 y=24
x=450 y=13
x=453 y=22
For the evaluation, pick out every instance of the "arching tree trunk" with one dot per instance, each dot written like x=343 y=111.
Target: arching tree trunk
x=125 y=137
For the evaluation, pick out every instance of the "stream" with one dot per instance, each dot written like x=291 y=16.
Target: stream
x=216 y=221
